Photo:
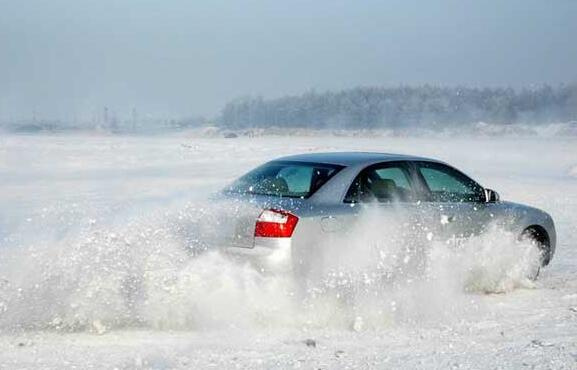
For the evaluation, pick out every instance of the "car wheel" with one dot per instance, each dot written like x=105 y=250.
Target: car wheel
x=537 y=239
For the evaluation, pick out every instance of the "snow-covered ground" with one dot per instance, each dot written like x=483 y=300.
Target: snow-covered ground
x=93 y=273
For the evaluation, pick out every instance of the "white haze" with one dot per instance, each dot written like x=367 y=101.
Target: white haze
x=96 y=270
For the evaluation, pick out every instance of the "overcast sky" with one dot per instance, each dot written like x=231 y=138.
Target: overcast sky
x=67 y=58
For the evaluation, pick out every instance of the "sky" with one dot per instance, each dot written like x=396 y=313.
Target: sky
x=66 y=59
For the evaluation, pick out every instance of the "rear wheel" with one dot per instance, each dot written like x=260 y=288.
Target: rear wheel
x=539 y=239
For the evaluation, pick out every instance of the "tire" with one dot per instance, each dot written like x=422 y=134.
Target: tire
x=539 y=240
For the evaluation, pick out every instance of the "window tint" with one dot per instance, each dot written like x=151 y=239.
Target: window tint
x=384 y=183
x=285 y=179
x=448 y=185
x=396 y=174
x=298 y=178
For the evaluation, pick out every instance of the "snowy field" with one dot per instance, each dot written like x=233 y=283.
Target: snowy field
x=93 y=272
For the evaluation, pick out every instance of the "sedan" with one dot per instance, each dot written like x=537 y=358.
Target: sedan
x=296 y=205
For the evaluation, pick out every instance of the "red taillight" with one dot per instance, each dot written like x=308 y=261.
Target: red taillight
x=274 y=223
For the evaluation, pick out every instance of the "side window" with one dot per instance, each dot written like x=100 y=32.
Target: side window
x=448 y=185
x=382 y=183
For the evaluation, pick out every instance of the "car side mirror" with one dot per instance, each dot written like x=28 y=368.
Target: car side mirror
x=491 y=196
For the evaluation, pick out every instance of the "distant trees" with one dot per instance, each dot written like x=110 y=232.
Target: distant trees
x=422 y=106
x=109 y=123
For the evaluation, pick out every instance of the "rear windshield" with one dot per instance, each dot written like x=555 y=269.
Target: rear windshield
x=285 y=179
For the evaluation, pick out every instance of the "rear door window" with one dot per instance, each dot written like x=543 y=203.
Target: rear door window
x=285 y=179
x=383 y=183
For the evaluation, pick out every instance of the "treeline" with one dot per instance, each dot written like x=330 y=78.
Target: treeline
x=396 y=107
x=113 y=126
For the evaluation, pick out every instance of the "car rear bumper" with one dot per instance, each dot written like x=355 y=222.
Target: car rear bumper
x=267 y=254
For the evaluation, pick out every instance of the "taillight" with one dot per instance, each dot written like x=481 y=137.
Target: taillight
x=274 y=223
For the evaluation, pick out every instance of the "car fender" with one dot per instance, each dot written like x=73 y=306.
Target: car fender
x=517 y=218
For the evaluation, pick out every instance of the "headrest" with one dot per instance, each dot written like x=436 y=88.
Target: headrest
x=383 y=188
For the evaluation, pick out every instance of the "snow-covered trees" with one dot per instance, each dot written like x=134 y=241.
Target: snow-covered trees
x=379 y=107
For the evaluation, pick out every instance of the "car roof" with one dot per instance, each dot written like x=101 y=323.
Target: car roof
x=352 y=158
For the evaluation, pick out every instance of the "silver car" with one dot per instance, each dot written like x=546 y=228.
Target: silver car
x=292 y=205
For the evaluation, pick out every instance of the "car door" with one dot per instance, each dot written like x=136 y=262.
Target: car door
x=384 y=190
x=456 y=203
x=378 y=225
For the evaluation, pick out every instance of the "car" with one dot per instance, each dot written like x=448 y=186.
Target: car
x=295 y=205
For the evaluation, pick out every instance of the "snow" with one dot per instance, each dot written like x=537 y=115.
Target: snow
x=93 y=273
